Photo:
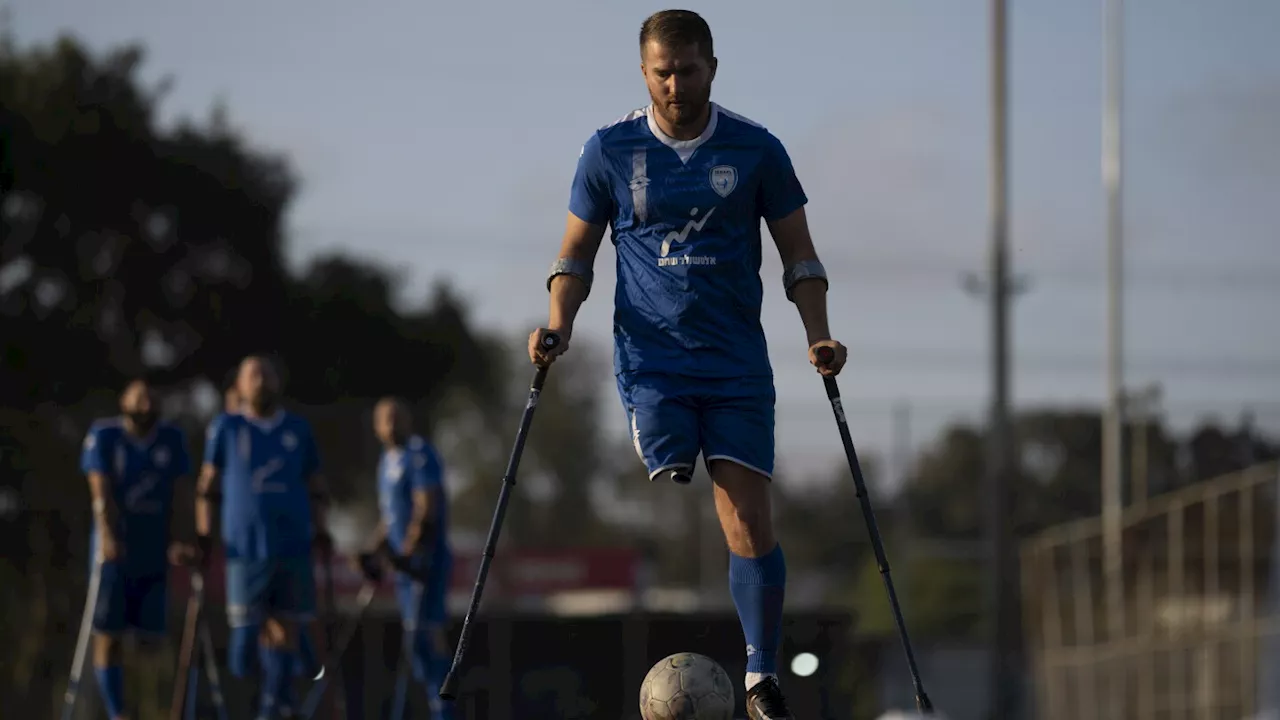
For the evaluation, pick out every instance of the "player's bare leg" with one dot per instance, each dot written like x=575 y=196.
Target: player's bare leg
x=757 y=579
x=108 y=665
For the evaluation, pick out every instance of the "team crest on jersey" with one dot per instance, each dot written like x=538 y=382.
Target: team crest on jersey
x=288 y=440
x=724 y=178
x=160 y=457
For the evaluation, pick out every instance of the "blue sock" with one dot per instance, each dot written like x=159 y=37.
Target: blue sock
x=288 y=662
x=272 y=669
x=306 y=664
x=240 y=653
x=758 y=586
x=111 y=682
x=420 y=655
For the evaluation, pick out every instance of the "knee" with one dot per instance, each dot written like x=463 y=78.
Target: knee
x=279 y=634
x=107 y=650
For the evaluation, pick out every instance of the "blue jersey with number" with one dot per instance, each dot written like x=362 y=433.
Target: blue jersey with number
x=266 y=467
x=401 y=471
x=686 y=225
x=141 y=474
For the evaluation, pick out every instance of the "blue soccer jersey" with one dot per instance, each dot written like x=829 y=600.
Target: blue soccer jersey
x=266 y=467
x=401 y=471
x=141 y=474
x=685 y=216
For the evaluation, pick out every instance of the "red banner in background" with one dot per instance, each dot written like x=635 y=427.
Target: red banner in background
x=514 y=572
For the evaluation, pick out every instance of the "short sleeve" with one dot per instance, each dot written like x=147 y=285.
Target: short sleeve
x=589 y=198
x=215 y=443
x=780 y=190
x=426 y=469
x=93 y=454
x=181 y=453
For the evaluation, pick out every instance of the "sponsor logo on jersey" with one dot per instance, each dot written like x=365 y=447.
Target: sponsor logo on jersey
x=682 y=236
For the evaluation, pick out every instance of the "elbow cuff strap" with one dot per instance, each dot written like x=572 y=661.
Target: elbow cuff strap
x=797 y=273
x=574 y=267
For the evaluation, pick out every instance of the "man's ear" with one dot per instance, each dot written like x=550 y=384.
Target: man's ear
x=715 y=63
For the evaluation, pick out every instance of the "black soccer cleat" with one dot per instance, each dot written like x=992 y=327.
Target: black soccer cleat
x=765 y=701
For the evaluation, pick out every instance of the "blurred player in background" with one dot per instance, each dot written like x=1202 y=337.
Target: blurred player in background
x=414 y=533
x=133 y=463
x=306 y=647
x=684 y=183
x=263 y=463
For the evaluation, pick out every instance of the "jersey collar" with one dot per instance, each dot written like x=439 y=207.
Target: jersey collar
x=266 y=424
x=683 y=148
x=143 y=442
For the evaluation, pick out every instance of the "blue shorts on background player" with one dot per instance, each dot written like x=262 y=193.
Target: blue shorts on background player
x=133 y=463
x=265 y=461
x=414 y=529
x=684 y=184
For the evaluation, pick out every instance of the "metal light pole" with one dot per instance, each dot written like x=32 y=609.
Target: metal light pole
x=1113 y=421
x=1002 y=585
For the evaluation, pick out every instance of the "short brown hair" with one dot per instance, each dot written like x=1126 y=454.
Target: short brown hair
x=677 y=28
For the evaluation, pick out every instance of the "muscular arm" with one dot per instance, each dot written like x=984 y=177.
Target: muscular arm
x=795 y=244
x=581 y=242
x=207 y=491
x=421 y=522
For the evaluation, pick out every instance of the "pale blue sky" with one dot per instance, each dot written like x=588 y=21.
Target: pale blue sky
x=441 y=137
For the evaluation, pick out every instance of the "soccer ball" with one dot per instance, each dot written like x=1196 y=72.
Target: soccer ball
x=686 y=686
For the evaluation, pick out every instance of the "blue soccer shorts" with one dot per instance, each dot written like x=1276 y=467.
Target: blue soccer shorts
x=673 y=418
x=282 y=588
x=423 y=604
x=130 y=601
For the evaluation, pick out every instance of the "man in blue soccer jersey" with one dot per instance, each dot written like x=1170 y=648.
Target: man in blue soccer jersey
x=414 y=533
x=263 y=463
x=133 y=463
x=684 y=183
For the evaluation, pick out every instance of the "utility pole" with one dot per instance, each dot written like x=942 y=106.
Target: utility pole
x=1113 y=419
x=998 y=288
x=1002 y=603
